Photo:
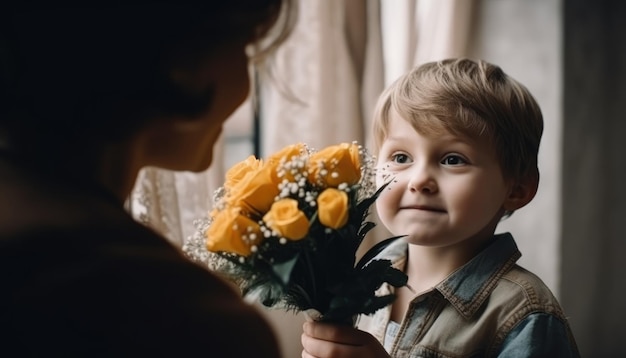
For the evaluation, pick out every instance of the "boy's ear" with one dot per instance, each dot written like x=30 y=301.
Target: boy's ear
x=522 y=192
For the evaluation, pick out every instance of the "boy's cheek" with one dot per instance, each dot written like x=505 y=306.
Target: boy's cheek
x=385 y=202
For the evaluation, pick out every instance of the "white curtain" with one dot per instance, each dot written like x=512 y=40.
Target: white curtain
x=418 y=31
x=169 y=202
x=320 y=67
x=328 y=76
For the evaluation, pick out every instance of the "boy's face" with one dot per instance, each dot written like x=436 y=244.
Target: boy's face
x=444 y=190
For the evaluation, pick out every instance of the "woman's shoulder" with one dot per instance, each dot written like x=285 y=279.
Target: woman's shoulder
x=122 y=287
x=85 y=278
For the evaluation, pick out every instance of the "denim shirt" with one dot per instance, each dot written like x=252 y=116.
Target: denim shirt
x=490 y=307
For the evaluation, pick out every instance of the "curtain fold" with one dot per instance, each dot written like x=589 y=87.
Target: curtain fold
x=443 y=29
x=317 y=66
x=418 y=31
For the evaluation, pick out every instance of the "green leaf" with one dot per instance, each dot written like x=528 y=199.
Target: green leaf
x=396 y=278
x=375 y=250
x=283 y=270
x=376 y=303
x=365 y=228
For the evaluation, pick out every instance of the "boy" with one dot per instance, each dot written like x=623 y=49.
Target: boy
x=458 y=140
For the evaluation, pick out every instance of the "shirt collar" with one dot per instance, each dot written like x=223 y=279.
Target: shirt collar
x=470 y=285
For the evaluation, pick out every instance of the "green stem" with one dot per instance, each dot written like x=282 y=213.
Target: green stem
x=311 y=271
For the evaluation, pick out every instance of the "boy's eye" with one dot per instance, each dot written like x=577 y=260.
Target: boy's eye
x=400 y=158
x=453 y=160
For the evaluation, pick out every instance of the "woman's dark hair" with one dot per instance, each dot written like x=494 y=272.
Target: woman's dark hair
x=98 y=70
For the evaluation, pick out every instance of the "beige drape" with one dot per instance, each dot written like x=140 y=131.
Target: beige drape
x=320 y=66
x=418 y=31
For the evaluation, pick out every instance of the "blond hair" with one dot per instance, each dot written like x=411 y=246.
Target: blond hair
x=474 y=99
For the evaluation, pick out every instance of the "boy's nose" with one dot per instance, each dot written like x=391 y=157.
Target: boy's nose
x=422 y=181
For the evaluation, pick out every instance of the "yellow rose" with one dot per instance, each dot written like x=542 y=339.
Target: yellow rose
x=232 y=232
x=285 y=155
x=239 y=171
x=335 y=165
x=287 y=220
x=256 y=191
x=332 y=208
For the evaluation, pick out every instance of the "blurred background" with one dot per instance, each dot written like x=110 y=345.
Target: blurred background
x=571 y=54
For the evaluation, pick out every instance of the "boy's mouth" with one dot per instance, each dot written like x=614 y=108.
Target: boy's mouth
x=423 y=208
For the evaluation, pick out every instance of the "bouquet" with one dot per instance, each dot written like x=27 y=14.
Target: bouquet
x=286 y=230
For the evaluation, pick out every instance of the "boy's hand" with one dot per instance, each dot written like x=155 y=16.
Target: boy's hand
x=324 y=340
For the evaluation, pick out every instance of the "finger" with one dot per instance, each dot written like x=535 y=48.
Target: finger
x=306 y=354
x=312 y=347
x=334 y=333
